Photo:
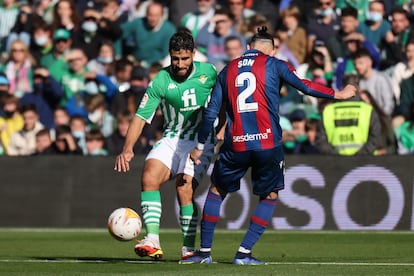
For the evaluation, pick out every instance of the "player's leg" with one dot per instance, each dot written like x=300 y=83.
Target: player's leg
x=225 y=178
x=185 y=186
x=267 y=179
x=188 y=177
x=155 y=173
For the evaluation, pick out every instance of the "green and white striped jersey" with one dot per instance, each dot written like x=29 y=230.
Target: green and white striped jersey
x=182 y=103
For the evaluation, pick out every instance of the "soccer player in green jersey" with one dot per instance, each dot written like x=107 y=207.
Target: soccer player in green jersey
x=182 y=91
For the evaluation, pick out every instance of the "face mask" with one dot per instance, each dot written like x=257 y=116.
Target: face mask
x=78 y=134
x=41 y=41
x=89 y=27
x=104 y=60
x=91 y=88
x=326 y=13
x=374 y=16
x=8 y=114
x=95 y=116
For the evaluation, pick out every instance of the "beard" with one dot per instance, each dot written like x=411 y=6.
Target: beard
x=181 y=78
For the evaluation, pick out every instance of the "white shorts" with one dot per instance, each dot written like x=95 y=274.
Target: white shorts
x=175 y=154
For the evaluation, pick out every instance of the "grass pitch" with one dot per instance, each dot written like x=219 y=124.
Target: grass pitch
x=95 y=252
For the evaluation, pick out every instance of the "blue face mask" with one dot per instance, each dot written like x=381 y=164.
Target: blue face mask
x=91 y=88
x=89 y=26
x=373 y=16
x=326 y=13
x=78 y=134
x=104 y=60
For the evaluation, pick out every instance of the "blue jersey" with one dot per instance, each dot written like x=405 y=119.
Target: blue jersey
x=249 y=88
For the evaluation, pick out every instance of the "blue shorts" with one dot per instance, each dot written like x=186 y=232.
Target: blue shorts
x=267 y=170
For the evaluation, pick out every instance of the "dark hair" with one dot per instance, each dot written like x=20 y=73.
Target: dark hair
x=349 y=11
x=122 y=63
x=400 y=10
x=361 y=53
x=182 y=40
x=262 y=34
x=28 y=107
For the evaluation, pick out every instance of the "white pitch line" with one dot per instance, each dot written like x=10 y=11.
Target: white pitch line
x=157 y=262
x=340 y=263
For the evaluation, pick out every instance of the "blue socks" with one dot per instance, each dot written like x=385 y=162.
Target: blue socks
x=259 y=220
x=211 y=215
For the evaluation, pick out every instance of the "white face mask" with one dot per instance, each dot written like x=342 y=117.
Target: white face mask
x=95 y=116
x=89 y=27
x=41 y=40
x=373 y=16
x=91 y=88
x=326 y=13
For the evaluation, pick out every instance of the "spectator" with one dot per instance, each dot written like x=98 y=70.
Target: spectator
x=293 y=35
x=116 y=140
x=179 y=8
x=377 y=83
x=43 y=141
x=349 y=23
x=11 y=121
x=241 y=15
x=8 y=16
x=44 y=9
x=94 y=32
x=393 y=52
x=47 y=93
x=387 y=143
x=23 y=142
x=196 y=20
x=405 y=134
x=349 y=127
x=233 y=46
x=65 y=143
x=361 y=6
x=345 y=65
x=256 y=21
x=4 y=90
x=131 y=98
x=98 y=116
x=150 y=35
x=407 y=96
x=61 y=117
x=122 y=73
x=307 y=146
x=282 y=52
x=23 y=27
x=65 y=16
x=103 y=64
x=213 y=35
x=73 y=81
x=78 y=128
x=19 y=69
x=323 y=26
x=403 y=70
x=375 y=28
x=43 y=42
x=56 y=59
x=95 y=143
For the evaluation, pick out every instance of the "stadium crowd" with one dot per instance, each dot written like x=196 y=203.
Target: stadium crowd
x=72 y=73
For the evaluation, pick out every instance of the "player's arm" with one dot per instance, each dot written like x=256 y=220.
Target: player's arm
x=286 y=72
x=209 y=116
x=127 y=154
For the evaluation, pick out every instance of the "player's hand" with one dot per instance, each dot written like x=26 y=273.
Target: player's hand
x=195 y=156
x=122 y=161
x=347 y=92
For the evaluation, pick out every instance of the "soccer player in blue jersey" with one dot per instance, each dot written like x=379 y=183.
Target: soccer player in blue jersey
x=248 y=89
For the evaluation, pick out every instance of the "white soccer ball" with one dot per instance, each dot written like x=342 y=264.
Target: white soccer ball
x=124 y=224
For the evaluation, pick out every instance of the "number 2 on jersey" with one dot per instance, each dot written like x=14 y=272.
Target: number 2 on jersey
x=242 y=105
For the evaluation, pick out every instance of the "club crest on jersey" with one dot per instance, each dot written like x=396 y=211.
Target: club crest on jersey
x=144 y=101
x=202 y=79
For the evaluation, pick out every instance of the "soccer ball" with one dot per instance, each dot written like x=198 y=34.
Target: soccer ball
x=124 y=224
